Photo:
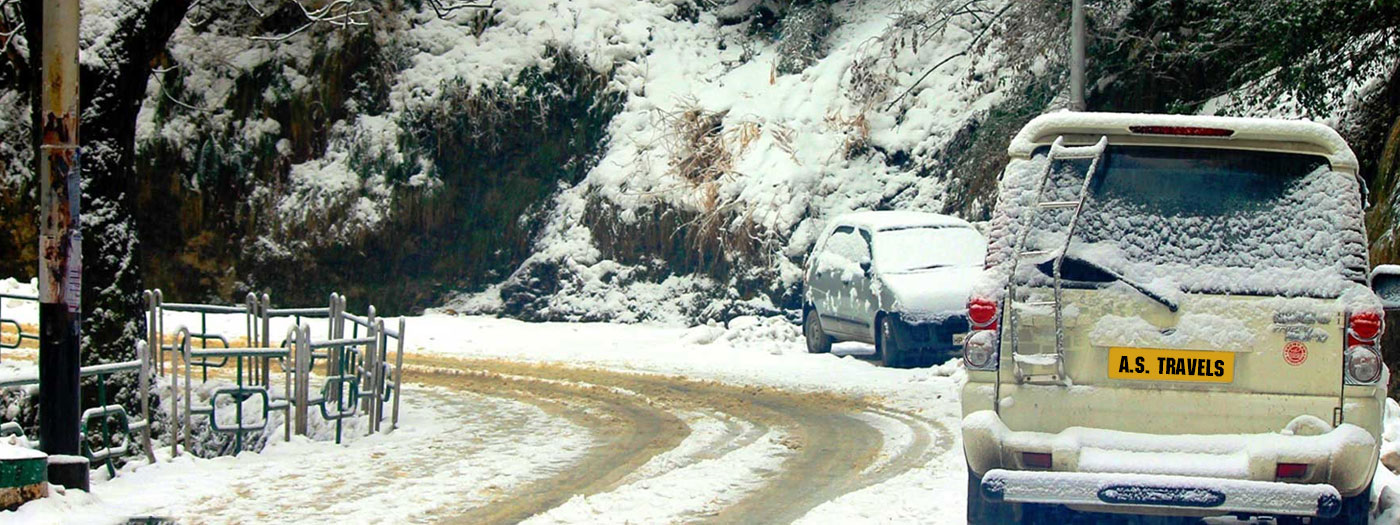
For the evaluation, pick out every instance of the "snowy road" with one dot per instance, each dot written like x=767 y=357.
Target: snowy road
x=590 y=423
x=696 y=450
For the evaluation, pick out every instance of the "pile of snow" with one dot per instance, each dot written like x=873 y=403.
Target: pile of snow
x=775 y=335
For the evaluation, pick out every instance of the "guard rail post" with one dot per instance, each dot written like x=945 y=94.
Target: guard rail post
x=371 y=365
x=303 y=375
x=398 y=377
x=265 y=304
x=185 y=358
x=143 y=354
x=369 y=362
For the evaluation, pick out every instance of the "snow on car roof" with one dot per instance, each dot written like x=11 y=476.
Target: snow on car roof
x=887 y=220
x=1248 y=133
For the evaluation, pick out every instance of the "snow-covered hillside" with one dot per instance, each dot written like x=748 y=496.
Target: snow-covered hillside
x=754 y=159
x=709 y=143
x=637 y=159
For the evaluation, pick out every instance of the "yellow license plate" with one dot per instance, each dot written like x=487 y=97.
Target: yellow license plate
x=1146 y=364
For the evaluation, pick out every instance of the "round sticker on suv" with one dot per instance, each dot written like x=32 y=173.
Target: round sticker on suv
x=1294 y=353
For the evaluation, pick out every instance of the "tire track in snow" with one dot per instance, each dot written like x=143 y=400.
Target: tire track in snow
x=733 y=454
x=452 y=449
x=628 y=432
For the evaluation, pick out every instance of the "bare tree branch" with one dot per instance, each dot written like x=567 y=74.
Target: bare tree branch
x=445 y=9
x=339 y=13
x=949 y=58
x=159 y=75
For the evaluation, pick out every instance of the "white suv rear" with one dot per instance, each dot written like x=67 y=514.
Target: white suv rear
x=1175 y=321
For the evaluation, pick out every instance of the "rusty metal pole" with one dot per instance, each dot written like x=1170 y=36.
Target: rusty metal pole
x=60 y=247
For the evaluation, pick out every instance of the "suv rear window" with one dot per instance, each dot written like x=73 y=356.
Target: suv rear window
x=1203 y=220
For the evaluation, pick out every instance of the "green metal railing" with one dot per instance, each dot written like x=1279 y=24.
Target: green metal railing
x=357 y=378
x=104 y=416
x=18 y=331
x=240 y=392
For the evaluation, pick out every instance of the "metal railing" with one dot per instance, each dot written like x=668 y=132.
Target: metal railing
x=357 y=379
x=103 y=414
x=19 y=334
x=358 y=376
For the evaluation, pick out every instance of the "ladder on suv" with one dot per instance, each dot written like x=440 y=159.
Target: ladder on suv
x=1037 y=362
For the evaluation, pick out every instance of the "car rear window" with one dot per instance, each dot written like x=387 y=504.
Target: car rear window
x=1197 y=219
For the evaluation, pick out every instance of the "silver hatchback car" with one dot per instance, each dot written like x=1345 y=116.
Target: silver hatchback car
x=899 y=280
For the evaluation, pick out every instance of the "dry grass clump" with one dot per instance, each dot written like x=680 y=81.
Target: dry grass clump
x=700 y=153
x=700 y=148
x=856 y=130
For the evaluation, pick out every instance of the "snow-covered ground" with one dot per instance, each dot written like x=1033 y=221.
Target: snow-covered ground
x=419 y=463
x=452 y=451
x=404 y=476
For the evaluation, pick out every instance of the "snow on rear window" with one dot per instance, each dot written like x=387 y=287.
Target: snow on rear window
x=848 y=245
x=1200 y=220
x=843 y=253
x=913 y=249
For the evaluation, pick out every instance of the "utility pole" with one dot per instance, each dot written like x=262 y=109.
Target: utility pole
x=1076 y=57
x=60 y=246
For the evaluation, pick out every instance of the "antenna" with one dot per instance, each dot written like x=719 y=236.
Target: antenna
x=1076 y=57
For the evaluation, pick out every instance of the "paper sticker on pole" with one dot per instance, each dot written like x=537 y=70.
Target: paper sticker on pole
x=74 y=284
x=60 y=193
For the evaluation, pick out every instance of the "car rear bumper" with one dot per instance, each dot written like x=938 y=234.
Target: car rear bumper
x=1138 y=493
x=931 y=335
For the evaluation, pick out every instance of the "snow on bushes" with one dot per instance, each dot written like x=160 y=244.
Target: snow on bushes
x=746 y=162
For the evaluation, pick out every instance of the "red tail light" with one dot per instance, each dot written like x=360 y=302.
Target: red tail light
x=1188 y=131
x=1037 y=460
x=1291 y=470
x=982 y=312
x=1364 y=327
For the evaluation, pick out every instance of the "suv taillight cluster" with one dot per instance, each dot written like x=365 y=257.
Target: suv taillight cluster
x=1362 y=361
x=980 y=347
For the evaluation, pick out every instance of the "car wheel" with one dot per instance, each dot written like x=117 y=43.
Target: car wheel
x=981 y=510
x=817 y=340
x=886 y=346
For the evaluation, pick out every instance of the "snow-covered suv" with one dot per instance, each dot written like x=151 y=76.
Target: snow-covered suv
x=1175 y=321
x=898 y=280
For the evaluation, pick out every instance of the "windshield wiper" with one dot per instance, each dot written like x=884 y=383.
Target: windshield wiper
x=1095 y=272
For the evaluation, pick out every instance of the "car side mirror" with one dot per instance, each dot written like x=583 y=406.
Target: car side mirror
x=865 y=267
x=1385 y=281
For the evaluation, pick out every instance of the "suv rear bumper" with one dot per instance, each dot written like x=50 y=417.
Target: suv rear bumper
x=1343 y=458
x=1138 y=493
